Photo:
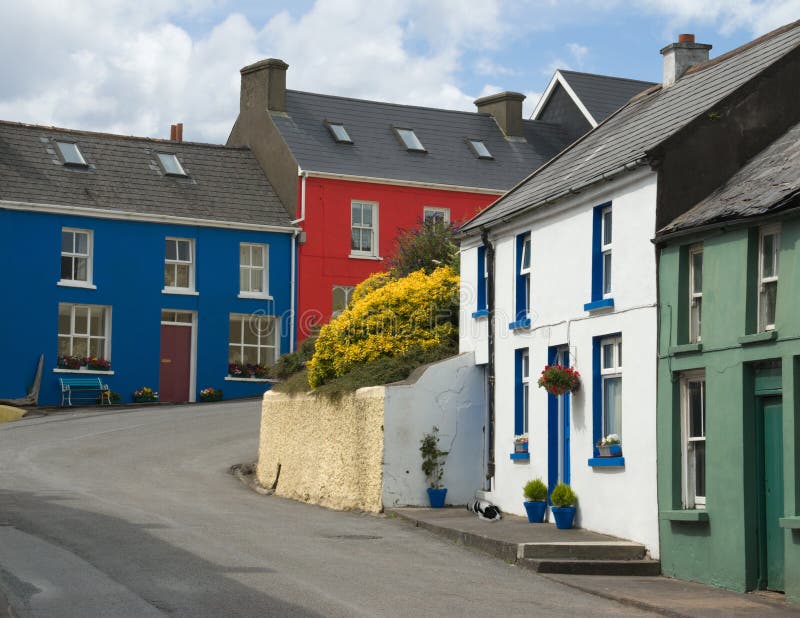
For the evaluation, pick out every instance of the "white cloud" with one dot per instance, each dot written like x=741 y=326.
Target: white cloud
x=578 y=52
x=485 y=66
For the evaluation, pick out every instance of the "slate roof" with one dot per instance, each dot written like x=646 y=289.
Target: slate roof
x=625 y=138
x=224 y=184
x=769 y=182
x=377 y=153
x=602 y=95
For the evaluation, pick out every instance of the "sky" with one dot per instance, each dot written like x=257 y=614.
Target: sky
x=135 y=68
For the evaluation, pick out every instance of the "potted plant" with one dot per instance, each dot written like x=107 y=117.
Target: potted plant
x=98 y=364
x=210 y=394
x=557 y=379
x=433 y=467
x=535 y=492
x=144 y=395
x=69 y=362
x=521 y=443
x=563 y=500
x=610 y=446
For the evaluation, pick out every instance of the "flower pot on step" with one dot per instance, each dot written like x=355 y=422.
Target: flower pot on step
x=536 y=510
x=564 y=516
x=436 y=497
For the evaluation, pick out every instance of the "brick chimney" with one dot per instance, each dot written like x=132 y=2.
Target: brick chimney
x=680 y=56
x=176 y=132
x=264 y=86
x=506 y=107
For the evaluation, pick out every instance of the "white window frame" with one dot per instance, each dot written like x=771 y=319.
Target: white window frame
x=72 y=335
x=525 y=371
x=688 y=489
x=695 y=297
x=373 y=253
x=348 y=296
x=436 y=212
x=74 y=255
x=271 y=349
x=250 y=268
x=771 y=230
x=606 y=251
x=190 y=289
x=525 y=271
x=606 y=373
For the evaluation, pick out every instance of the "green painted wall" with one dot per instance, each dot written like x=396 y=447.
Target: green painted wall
x=723 y=550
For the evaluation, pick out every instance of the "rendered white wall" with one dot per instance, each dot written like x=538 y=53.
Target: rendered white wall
x=450 y=395
x=617 y=501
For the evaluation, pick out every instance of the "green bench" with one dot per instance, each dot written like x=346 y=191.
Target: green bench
x=84 y=390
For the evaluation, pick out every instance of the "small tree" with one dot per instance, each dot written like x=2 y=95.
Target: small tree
x=432 y=458
x=428 y=246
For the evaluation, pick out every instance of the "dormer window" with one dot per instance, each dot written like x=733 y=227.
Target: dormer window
x=479 y=148
x=171 y=165
x=409 y=139
x=338 y=132
x=71 y=154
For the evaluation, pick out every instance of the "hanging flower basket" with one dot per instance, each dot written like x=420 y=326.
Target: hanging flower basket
x=557 y=379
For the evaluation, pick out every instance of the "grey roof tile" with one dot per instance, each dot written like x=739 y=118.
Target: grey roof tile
x=602 y=95
x=627 y=136
x=225 y=184
x=769 y=182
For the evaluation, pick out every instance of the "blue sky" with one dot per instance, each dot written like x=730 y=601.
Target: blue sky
x=136 y=68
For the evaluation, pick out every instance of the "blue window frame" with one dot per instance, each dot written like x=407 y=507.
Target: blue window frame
x=481 y=285
x=522 y=300
x=601 y=258
x=606 y=394
x=522 y=377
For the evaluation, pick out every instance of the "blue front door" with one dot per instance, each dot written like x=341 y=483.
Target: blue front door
x=558 y=461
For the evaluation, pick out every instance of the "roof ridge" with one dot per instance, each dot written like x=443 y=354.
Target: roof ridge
x=622 y=79
x=388 y=103
x=117 y=135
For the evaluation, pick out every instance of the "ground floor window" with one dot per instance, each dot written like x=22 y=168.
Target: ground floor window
x=611 y=377
x=254 y=340
x=341 y=298
x=693 y=437
x=522 y=398
x=84 y=331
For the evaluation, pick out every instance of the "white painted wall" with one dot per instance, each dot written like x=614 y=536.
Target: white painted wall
x=473 y=332
x=449 y=394
x=617 y=501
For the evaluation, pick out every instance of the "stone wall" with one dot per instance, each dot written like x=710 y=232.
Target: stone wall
x=330 y=452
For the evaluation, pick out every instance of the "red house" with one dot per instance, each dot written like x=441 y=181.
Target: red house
x=354 y=172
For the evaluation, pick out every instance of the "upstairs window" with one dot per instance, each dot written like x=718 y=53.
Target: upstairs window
x=602 y=237
x=693 y=433
x=179 y=264
x=71 y=154
x=605 y=249
x=479 y=148
x=435 y=214
x=338 y=132
x=768 y=248
x=171 y=165
x=76 y=256
x=482 y=280
x=409 y=139
x=253 y=269
x=363 y=227
x=695 y=292
x=523 y=301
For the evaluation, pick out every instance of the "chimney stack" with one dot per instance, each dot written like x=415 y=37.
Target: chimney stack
x=680 y=56
x=173 y=131
x=506 y=107
x=176 y=132
x=264 y=86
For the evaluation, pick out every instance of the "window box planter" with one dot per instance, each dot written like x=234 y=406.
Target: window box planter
x=520 y=447
x=610 y=450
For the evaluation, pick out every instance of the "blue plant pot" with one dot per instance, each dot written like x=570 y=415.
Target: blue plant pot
x=436 y=497
x=564 y=516
x=536 y=510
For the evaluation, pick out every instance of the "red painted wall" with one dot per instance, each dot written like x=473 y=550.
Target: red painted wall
x=323 y=258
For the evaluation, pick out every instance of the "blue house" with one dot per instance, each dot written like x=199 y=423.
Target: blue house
x=146 y=263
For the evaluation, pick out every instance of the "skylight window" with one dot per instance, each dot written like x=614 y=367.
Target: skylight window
x=410 y=139
x=171 y=165
x=71 y=153
x=339 y=133
x=479 y=148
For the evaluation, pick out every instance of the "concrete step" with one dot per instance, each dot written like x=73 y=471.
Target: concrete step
x=592 y=567
x=583 y=550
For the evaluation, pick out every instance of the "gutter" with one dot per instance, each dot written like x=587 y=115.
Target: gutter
x=303 y=177
x=406 y=183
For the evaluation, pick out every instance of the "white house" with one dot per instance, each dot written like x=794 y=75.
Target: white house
x=562 y=270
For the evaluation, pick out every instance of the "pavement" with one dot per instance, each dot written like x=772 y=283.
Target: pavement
x=508 y=538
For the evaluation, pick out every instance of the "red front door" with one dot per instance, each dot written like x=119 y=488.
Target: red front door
x=176 y=349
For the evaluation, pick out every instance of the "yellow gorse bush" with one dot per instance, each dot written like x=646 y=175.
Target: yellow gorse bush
x=387 y=317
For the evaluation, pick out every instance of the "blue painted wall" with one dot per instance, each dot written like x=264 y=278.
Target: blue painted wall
x=129 y=275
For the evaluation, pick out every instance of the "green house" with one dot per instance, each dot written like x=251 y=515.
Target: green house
x=728 y=380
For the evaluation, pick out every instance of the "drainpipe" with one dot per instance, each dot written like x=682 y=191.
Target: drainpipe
x=489 y=248
x=303 y=177
x=295 y=264
x=293 y=286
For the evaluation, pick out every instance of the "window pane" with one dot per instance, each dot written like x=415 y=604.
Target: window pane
x=80 y=347
x=71 y=153
x=696 y=316
x=235 y=335
x=607 y=273
x=182 y=275
x=481 y=149
x=169 y=275
x=96 y=322
x=244 y=254
x=356 y=212
x=171 y=250
x=256 y=280
x=355 y=240
x=608 y=356
x=63 y=320
x=696 y=412
x=97 y=348
x=67 y=242
x=82 y=320
x=171 y=164
x=244 y=280
x=81 y=243
x=63 y=346
x=699 y=468
x=612 y=406
x=767 y=250
x=526 y=253
x=250 y=356
x=525 y=407
x=257 y=255
x=768 y=297
x=410 y=139
x=66 y=268
x=526 y=366
x=607 y=227
x=234 y=354
x=80 y=269
x=366 y=216
x=697 y=272
x=183 y=251
x=251 y=332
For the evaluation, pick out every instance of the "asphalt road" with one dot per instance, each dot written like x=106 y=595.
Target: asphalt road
x=133 y=513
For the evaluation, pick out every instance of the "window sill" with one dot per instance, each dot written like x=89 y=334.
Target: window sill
x=770 y=335
x=355 y=256
x=519 y=324
x=232 y=379
x=686 y=348
x=688 y=515
x=790 y=523
x=597 y=305
x=607 y=462
x=520 y=456
x=110 y=372
x=254 y=296
x=65 y=283
x=180 y=291
x=480 y=313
